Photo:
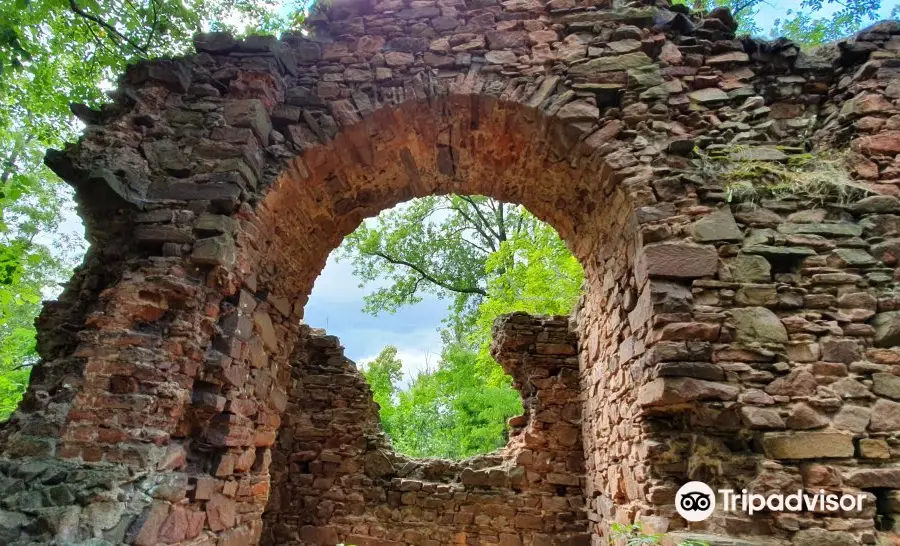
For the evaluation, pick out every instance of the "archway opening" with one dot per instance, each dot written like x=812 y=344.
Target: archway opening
x=432 y=275
x=333 y=477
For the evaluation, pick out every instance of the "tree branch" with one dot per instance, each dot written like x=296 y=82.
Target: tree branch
x=478 y=227
x=10 y=165
x=741 y=6
x=76 y=9
x=487 y=224
x=430 y=278
x=473 y=244
x=501 y=222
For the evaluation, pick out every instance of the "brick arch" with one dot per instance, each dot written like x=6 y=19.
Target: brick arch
x=749 y=344
x=465 y=144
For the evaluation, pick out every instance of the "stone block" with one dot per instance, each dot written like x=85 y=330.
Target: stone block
x=717 y=227
x=841 y=350
x=221 y=512
x=610 y=64
x=266 y=330
x=680 y=260
x=886 y=384
x=215 y=224
x=157 y=234
x=250 y=113
x=885 y=416
x=874 y=448
x=670 y=391
x=808 y=445
x=761 y=418
x=822 y=537
x=747 y=268
x=869 y=478
x=757 y=325
x=214 y=42
x=887 y=328
x=174 y=75
x=217 y=250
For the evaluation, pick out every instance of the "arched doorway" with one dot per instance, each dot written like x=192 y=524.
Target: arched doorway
x=216 y=186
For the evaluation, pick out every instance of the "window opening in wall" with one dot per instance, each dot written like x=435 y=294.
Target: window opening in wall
x=430 y=277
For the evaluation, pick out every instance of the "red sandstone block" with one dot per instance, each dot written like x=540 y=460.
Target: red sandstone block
x=196 y=521
x=175 y=528
x=265 y=438
x=205 y=487
x=153 y=519
x=220 y=512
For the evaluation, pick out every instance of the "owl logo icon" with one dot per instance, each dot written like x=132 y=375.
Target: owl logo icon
x=695 y=501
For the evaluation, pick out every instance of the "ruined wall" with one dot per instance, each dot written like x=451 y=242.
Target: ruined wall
x=746 y=342
x=335 y=478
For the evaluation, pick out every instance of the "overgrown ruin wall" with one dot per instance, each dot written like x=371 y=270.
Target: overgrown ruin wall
x=743 y=342
x=339 y=481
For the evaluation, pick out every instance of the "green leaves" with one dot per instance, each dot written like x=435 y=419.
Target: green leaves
x=806 y=25
x=487 y=258
x=454 y=411
x=633 y=534
x=54 y=53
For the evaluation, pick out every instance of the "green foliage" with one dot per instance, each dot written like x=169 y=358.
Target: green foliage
x=804 y=24
x=54 y=53
x=487 y=258
x=806 y=28
x=435 y=245
x=455 y=411
x=632 y=534
x=383 y=374
x=35 y=257
x=20 y=301
x=534 y=273
x=815 y=177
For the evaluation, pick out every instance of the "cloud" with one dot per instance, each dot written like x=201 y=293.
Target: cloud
x=336 y=305
x=337 y=283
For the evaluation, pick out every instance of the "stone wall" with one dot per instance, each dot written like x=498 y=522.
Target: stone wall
x=746 y=342
x=335 y=478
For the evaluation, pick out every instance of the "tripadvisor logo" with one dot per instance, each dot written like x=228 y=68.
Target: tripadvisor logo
x=696 y=501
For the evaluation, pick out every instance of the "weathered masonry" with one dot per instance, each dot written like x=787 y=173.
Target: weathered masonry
x=335 y=479
x=744 y=343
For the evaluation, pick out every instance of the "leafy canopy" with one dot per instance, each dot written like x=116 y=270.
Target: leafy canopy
x=805 y=24
x=54 y=53
x=484 y=257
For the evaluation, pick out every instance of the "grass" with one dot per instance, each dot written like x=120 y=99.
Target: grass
x=812 y=177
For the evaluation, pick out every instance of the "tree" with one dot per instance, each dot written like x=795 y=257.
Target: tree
x=54 y=53
x=47 y=258
x=438 y=245
x=806 y=28
x=383 y=374
x=536 y=274
x=487 y=258
x=454 y=411
x=804 y=25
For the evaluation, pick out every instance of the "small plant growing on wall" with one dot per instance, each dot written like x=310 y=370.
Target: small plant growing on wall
x=633 y=534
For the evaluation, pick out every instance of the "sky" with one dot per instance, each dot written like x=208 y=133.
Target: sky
x=336 y=305
x=336 y=301
x=770 y=10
